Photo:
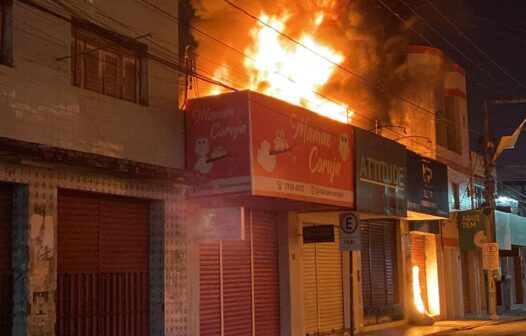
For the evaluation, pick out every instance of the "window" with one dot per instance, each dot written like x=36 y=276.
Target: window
x=448 y=128
x=456 y=195
x=6 y=32
x=108 y=64
x=478 y=196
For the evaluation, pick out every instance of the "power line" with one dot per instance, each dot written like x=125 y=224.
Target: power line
x=362 y=78
x=522 y=30
x=339 y=66
x=181 y=68
x=475 y=45
x=475 y=64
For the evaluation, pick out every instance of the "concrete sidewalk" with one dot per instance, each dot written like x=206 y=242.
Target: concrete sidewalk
x=444 y=327
x=438 y=328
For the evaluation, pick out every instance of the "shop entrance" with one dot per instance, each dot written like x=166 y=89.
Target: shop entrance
x=239 y=281
x=424 y=264
x=103 y=265
x=6 y=284
x=322 y=282
x=380 y=284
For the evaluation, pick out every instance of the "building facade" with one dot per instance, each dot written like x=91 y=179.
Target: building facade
x=92 y=181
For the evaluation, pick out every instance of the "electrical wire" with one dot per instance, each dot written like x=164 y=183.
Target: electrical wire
x=448 y=42
x=181 y=69
x=467 y=38
x=507 y=25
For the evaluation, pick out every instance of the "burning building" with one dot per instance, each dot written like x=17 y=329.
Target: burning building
x=319 y=56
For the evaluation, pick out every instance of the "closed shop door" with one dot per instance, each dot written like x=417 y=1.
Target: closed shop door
x=323 y=286
x=103 y=265
x=418 y=258
x=466 y=291
x=380 y=292
x=239 y=281
x=522 y=254
x=518 y=276
x=6 y=288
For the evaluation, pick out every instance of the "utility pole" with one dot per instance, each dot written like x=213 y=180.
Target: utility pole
x=489 y=196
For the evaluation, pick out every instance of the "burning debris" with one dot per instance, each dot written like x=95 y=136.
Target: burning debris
x=421 y=316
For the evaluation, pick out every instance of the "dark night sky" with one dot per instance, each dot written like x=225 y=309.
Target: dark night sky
x=499 y=29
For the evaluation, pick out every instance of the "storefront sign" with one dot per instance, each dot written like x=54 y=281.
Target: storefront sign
x=380 y=175
x=472 y=226
x=217 y=134
x=221 y=224
x=490 y=256
x=428 y=226
x=350 y=238
x=427 y=186
x=318 y=233
x=251 y=143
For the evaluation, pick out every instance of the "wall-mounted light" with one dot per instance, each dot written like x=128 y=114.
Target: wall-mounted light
x=415 y=136
x=378 y=127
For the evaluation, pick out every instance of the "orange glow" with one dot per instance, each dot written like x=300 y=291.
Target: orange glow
x=283 y=69
x=417 y=294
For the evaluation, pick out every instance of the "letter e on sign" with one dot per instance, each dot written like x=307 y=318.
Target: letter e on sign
x=490 y=256
x=349 y=231
x=349 y=223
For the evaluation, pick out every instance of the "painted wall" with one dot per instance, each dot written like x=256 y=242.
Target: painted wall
x=39 y=104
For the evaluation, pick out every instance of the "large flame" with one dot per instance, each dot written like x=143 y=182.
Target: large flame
x=293 y=72
x=417 y=293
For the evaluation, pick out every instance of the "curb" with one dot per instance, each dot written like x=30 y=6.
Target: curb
x=482 y=324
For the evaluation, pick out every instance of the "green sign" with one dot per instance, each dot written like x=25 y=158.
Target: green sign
x=472 y=226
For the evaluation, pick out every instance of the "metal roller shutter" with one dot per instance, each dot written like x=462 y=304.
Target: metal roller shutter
x=209 y=289
x=380 y=291
x=6 y=289
x=266 y=273
x=379 y=281
x=237 y=287
x=418 y=258
x=239 y=281
x=103 y=263
x=517 y=271
x=323 y=286
x=465 y=282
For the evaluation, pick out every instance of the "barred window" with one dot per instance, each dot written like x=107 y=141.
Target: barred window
x=107 y=66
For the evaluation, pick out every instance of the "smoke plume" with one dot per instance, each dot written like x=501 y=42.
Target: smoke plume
x=373 y=45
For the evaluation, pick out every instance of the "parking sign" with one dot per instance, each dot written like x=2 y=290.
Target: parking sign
x=350 y=231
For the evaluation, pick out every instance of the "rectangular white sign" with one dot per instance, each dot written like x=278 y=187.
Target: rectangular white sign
x=221 y=224
x=350 y=231
x=490 y=256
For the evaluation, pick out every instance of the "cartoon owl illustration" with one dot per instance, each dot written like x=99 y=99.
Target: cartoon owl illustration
x=217 y=152
x=345 y=151
x=201 y=147
x=201 y=150
x=280 y=140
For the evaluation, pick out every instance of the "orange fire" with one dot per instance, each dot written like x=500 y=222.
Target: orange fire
x=417 y=293
x=293 y=72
